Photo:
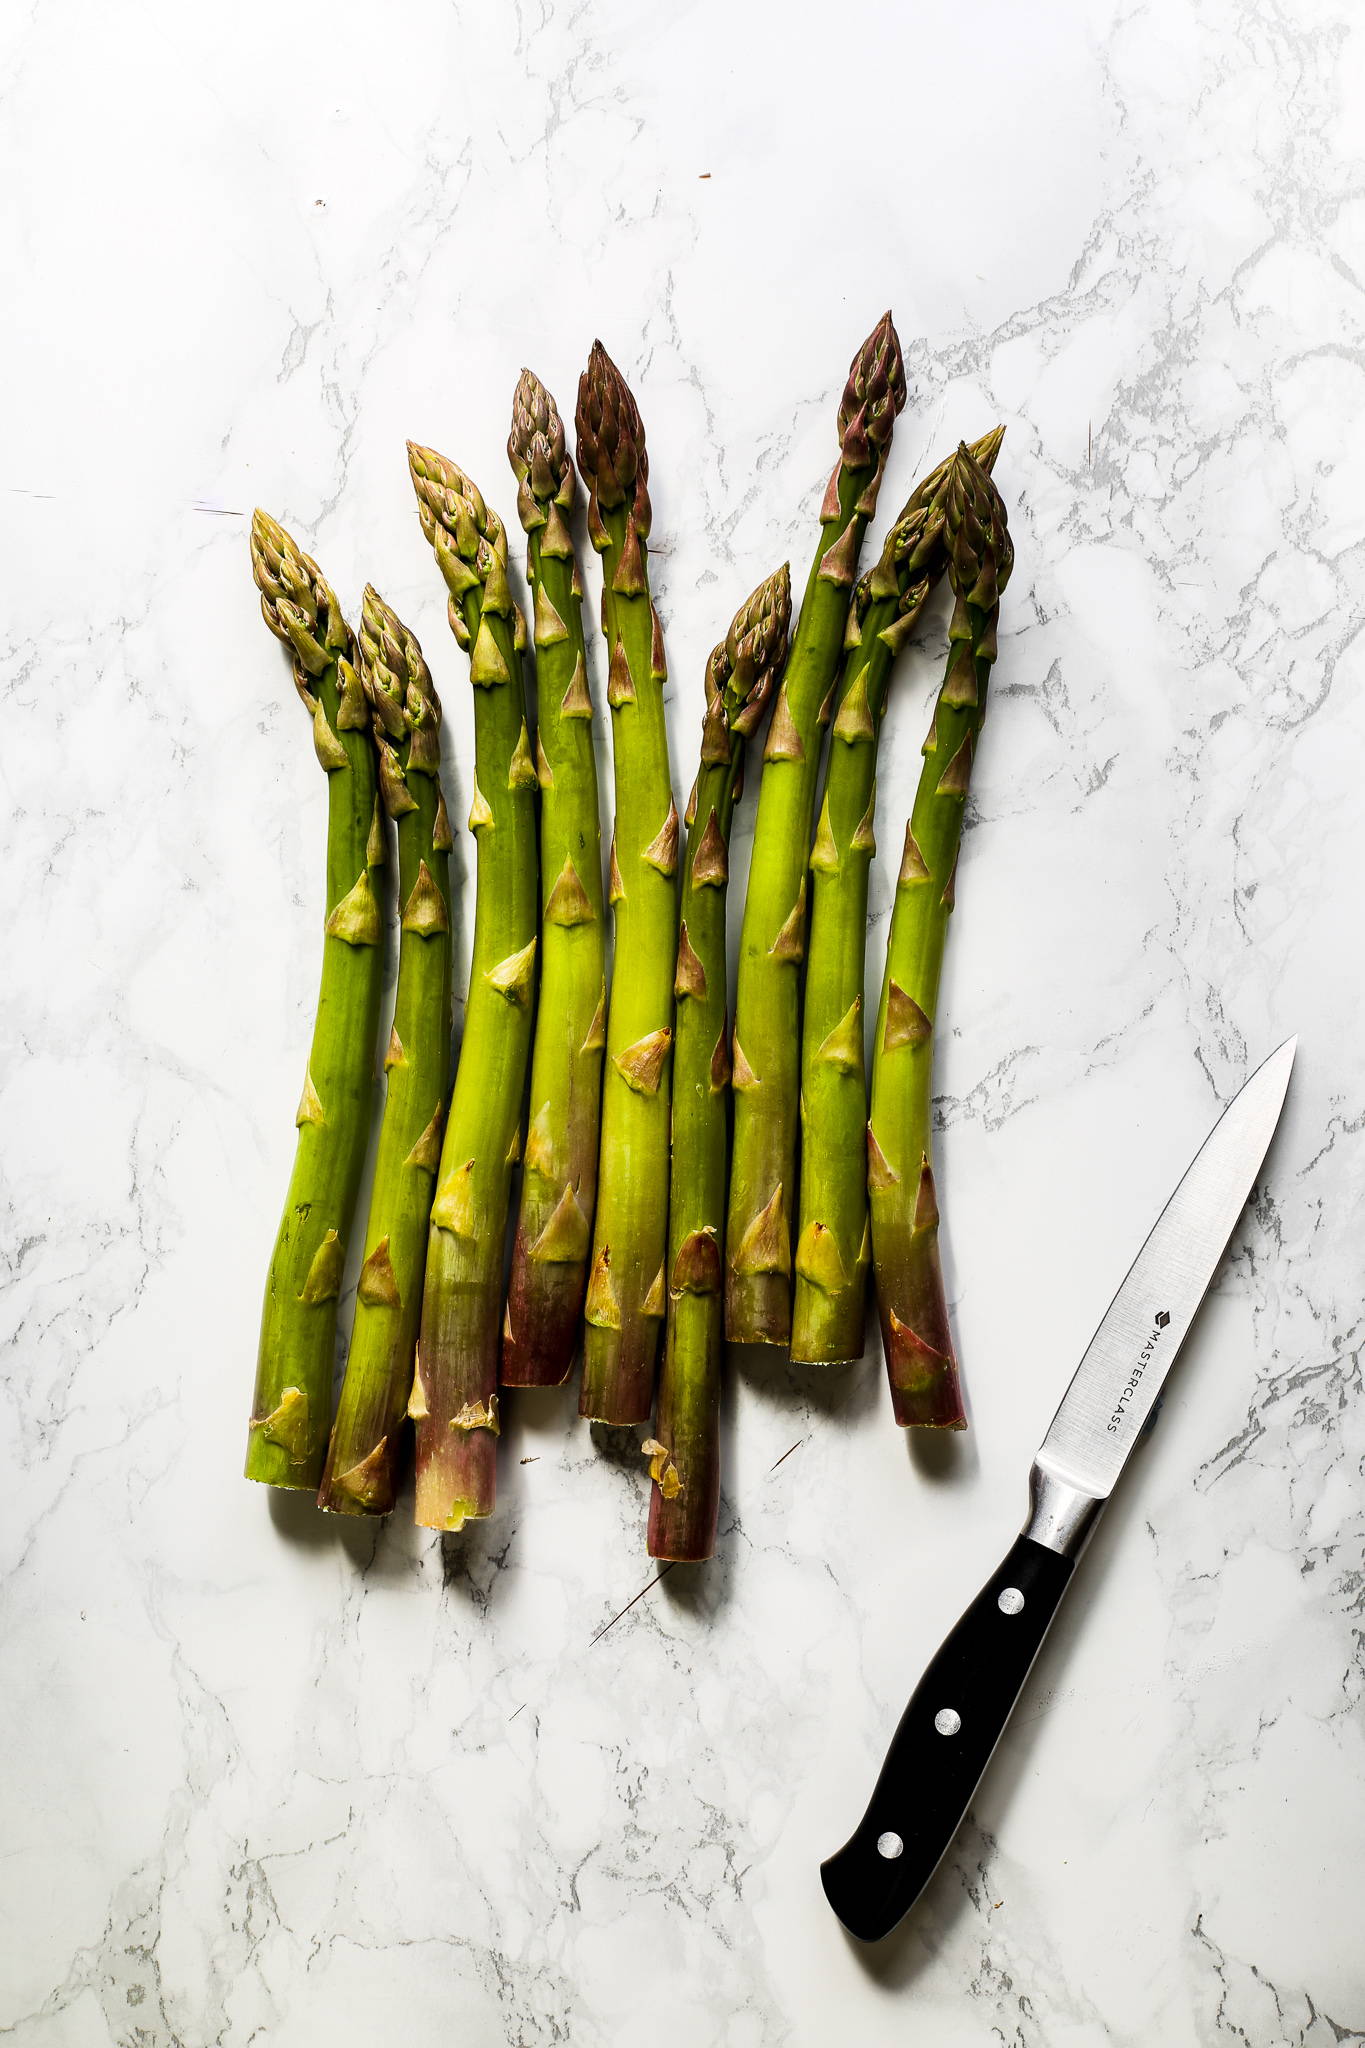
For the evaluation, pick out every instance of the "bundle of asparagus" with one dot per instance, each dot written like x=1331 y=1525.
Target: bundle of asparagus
x=767 y=1040
x=362 y=1458
x=620 y=1216
x=914 y=1316
x=685 y=1452
x=292 y=1408
x=454 y=1392
x=833 y=1247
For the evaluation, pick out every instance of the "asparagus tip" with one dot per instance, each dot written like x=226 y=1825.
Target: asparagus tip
x=536 y=444
x=980 y=552
x=611 y=440
x=297 y=602
x=874 y=394
x=988 y=447
x=745 y=665
x=392 y=663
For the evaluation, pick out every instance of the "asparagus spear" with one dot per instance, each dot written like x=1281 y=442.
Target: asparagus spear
x=362 y=1458
x=454 y=1393
x=559 y=1186
x=685 y=1452
x=293 y=1400
x=914 y=1316
x=767 y=1039
x=625 y=1298
x=833 y=1248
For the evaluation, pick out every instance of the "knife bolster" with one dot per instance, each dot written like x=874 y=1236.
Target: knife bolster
x=1062 y=1515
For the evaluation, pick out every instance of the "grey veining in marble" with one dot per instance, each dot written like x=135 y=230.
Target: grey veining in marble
x=271 y=1780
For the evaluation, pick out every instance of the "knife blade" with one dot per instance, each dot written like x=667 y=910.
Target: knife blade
x=959 y=1709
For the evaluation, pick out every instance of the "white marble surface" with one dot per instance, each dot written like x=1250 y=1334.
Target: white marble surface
x=273 y=1780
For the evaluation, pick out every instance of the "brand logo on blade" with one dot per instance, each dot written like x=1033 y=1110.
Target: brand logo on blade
x=1144 y=1358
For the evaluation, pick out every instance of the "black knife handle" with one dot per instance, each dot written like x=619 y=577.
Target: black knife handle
x=954 y=1720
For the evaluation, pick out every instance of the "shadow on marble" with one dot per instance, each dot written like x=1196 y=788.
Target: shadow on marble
x=544 y=1416
x=295 y=1517
x=701 y=1590
x=299 y=1522
x=943 y=1457
x=366 y=1540
x=618 y=1445
x=472 y=1559
x=848 y=1391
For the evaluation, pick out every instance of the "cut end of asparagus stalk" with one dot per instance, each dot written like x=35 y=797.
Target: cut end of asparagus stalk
x=457 y=1476
x=682 y=1518
x=926 y=1392
x=829 y=1325
x=281 y=1446
x=618 y=1387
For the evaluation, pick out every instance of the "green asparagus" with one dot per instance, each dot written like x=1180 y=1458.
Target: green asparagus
x=363 y=1457
x=684 y=1453
x=291 y=1411
x=925 y=1388
x=833 y=1247
x=559 y=1184
x=767 y=1035
x=454 y=1393
x=625 y=1297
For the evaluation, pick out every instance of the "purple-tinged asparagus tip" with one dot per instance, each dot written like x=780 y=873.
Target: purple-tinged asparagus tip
x=873 y=396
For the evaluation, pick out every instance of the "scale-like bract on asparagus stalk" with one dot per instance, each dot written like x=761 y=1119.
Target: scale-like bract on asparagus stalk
x=559 y=1182
x=292 y=1409
x=905 y=1258
x=454 y=1391
x=363 y=1456
x=833 y=1246
x=684 y=1452
x=625 y=1300
x=767 y=1035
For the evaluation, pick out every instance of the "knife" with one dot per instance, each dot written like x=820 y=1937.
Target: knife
x=959 y=1708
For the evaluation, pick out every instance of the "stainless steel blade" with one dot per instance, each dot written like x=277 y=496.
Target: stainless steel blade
x=1126 y=1362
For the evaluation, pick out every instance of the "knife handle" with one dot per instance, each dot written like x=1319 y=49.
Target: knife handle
x=954 y=1720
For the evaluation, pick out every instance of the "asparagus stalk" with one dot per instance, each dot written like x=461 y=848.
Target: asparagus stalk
x=625 y=1298
x=559 y=1184
x=685 y=1452
x=454 y=1393
x=767 y=1038
x=363 y=1456
x=833 y=1247
x=291 y=1411
x=915 y=1334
